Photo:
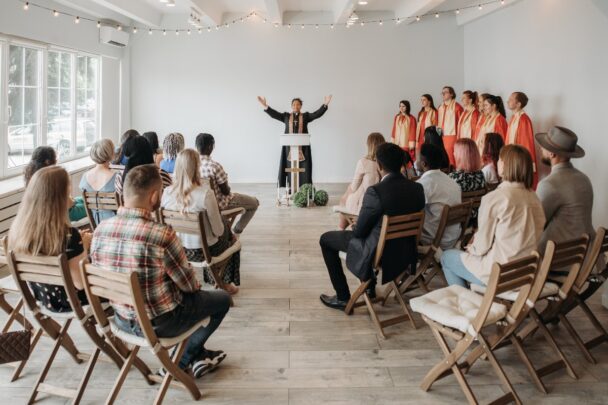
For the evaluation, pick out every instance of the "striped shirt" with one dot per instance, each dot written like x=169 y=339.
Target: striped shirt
x=164 y=176
x=132 y=242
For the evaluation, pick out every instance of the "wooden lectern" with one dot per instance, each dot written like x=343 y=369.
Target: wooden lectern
x=295 y=142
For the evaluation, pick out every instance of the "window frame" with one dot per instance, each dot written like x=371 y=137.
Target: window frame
x=42 y=108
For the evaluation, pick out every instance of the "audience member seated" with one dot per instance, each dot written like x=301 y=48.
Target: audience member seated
x=393 y=195
x=100 y=178
x=492 y=146
x=120 y=158
x=173 y=144
x=152 y=137
x=366 y=174
x=189 y=194
x=212 y=170
x=439 y=190
x=41 y=228
x=511 y=221
x=566 y=193
x=44 y=156
x=468 y=174
x=133 y=242
x=433 y=136
x=138 y=151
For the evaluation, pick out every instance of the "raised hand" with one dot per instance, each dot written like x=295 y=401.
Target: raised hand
x=327 y=99
x=262 y=101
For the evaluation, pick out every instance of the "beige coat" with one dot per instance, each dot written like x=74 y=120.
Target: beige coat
x=367 y=174
x=511 y=222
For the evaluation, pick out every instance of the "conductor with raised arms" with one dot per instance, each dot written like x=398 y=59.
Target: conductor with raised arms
x=296 y=122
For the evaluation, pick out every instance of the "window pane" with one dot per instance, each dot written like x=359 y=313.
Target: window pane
x=66 y=70
x=86 y=102
x=52 y=99
x=21 y=143
x=53 y=69
x=31 y=67
x=59 y=106
x=15 y=105
x=30 y=106
x=15 y=66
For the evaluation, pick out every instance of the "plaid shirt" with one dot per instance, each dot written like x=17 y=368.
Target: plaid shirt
x=132 y=241
x=210 y=169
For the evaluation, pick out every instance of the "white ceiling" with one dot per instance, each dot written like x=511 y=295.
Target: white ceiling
x=153 y=12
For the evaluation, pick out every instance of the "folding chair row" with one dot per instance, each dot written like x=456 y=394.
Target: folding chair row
x=97 y=201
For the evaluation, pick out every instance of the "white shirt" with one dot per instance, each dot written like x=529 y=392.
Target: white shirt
x=201 y=198
x=490 y=174
x=439 y=190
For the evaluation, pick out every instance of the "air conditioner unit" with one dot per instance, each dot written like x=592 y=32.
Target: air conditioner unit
x=111 y=36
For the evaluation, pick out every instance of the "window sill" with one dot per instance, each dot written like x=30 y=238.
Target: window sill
x=15 y=184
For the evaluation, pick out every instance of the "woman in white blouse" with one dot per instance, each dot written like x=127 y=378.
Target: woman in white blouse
x=189 y=194
x=511 y=221
x=367 y=174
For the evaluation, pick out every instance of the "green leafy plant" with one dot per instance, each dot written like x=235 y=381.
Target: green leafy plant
x=300 y=199
x=321 y=198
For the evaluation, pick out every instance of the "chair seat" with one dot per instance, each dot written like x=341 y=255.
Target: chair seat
x=549 y=290
x=143 y=342
x=7 y=284
x=455 y=307
x=217 y=259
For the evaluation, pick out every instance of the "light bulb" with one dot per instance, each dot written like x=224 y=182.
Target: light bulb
x=380 y=23
x=417 y=18
x=98 y=24
x=26 y=6
x=119 y=28
x=436 y=15
x=150 y=31
x=134 y=30
x=55 y=13
x=458 y=11
x=480 y=7
x=77 y=20
x=164 y=32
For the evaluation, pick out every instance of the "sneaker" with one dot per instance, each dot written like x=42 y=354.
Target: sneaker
x=208 y=362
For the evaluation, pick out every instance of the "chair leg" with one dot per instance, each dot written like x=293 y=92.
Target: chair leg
x=35 y=338
x=528 y=363
x=49 y=362
x=404 y=307
x=87 y=375
x=506 y=384
x=577 y=339
x=352 y=303
x=373 y=314
x=173 y=370
x=124 y=371
x=100 y=342
x=603 y=336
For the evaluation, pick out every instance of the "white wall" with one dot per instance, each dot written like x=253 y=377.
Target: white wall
x=210 y=83
x=556 y=52
x=40 y=25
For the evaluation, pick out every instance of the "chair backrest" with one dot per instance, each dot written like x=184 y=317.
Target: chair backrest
x=118 y=288
x=398 y=227
x=52 y=270
x=188 y=223
x=598 y=247
x=3 y=250
x=474 y=196
x=453 y=215
x=567 y=256
x=117 y=168
x=99 y=201
x=519 y=275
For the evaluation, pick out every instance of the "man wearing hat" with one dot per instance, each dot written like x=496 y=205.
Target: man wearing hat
x=566 y=193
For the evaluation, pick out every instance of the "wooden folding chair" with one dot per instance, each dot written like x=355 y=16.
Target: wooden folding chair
x=54 y=270
x=393 y=227
x=428 y=266
x=193 y=224
x=14 y=313
x=97 y=201
x=586 y=284
x=449 y=313
x=566 y=255
x=125 y=289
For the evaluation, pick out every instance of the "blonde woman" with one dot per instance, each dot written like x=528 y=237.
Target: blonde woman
x=42 y=228
x=100 y=178
x=189 y=194
x=367 y=174
x=511 y=221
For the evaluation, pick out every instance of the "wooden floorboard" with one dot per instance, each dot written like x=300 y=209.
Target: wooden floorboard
x=285 y=347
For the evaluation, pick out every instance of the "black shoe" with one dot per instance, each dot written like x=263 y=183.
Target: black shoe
x=208 y=362
x=333 y=302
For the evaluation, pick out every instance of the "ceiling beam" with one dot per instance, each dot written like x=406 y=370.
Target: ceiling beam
x=274 y=11
x=473 y=14
x=413 y=8
x=213 y=14
x=138 y=11
x=343 y=10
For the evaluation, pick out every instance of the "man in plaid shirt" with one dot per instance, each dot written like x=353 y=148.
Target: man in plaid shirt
x=132 y=242
x=210 y=169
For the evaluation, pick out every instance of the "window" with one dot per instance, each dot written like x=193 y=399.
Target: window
x=23 y=104
x=48 y=96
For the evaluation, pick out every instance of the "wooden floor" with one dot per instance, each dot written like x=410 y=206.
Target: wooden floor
x=284 y=347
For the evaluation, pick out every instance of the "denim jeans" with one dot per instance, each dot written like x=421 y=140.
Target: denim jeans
x=455 y=271
x=193 y=308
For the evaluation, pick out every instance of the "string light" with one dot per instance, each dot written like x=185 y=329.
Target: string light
x=302 y=26
x=200 y=31
x=208 y=29
x=417 y=18
x=398 y=20
x=98 y=24
x=119 y=28
x=480 y=7
x=436 y=15
x=26 y=6
x=458 y=11
x=164 y=32
x=134 y=30
x=176 y=32
x=380 y=23
x=77 y=20
x=150 y=31
x=332 y=27
x=317 y=26
x=189 y=33
x=55 y=13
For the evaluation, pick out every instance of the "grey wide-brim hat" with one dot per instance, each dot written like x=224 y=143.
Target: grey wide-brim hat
x=561 y=141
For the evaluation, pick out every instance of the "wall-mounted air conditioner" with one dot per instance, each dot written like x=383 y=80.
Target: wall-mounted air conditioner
x=111 y=36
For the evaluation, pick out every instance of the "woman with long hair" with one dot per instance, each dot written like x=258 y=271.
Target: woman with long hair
x=173 y=144
x=100 y=178
x=470 y=116
x=367 y=174
x=404 y=128
x=434 y=136
x=449 y=114
x=492 y=146
x=152 y=137
x=511 y=222
x=427 y=117
x=520 y=131
x=189 y=194
x=42 y=228
x=482 y=116
x=121 y=159
x=495 y=119
x=138 y=151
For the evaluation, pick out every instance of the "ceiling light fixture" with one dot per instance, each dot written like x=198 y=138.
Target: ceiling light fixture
x=26 y=6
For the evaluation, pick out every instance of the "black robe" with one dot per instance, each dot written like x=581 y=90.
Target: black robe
x=307 y=117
